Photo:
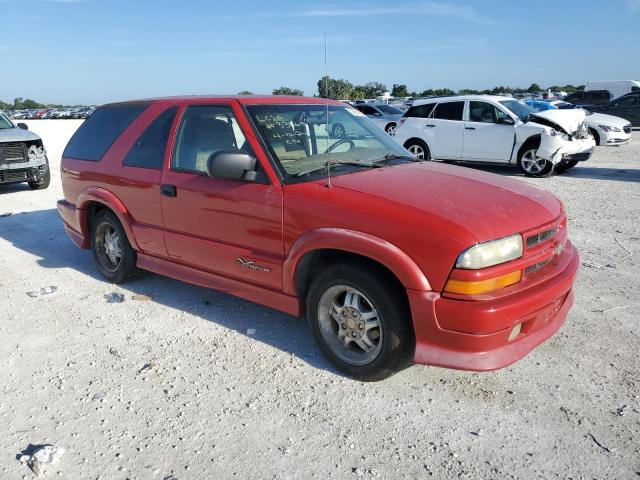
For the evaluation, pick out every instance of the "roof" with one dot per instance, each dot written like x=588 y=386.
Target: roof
x=243 y=99
x=495 y=98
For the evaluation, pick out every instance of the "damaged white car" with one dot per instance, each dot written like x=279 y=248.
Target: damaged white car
x=22 y=156
x=494 y=129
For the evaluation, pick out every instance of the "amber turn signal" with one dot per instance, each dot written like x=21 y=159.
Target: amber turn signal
x=482 y=286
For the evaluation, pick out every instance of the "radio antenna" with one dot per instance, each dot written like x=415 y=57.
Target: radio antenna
x=326 y=92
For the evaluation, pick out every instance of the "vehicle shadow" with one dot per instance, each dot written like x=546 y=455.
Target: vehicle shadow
x=41 y=233
x=14 y=187
x=592 y=173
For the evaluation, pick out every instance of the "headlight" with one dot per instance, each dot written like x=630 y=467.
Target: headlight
x=610 y=128
x=491 y=253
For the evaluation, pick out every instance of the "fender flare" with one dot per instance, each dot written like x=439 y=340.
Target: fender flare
x=364 y=244
x=111 y=201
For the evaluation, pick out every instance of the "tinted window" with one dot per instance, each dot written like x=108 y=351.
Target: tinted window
x=574 y=97
x=449 y=111
x=149 y=149
x=206 y=130
x=626 y=101
x=482 y=112
x=100 y=130
x=367 y=110
x=597 y=96
x=420 y=111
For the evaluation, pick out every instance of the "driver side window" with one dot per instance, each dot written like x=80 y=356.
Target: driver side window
x=484 y=112
x=204 y=131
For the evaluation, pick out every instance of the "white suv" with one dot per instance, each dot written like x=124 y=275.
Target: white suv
x=493 y=129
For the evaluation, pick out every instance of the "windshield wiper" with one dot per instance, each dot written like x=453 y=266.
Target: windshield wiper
x=329 y=164
x=395 y=156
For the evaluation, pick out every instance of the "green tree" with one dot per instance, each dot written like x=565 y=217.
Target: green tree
x=333 y=88
x=374 y=89
x=358 y=93
x=399 y=90
x=534 y=88
x=245 y=92
x=288 y=91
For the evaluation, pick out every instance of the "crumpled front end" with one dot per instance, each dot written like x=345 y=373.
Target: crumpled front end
x=564 y=137
x=22 y=161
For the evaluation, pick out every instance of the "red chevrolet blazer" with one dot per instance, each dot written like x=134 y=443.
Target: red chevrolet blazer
x=393 y=260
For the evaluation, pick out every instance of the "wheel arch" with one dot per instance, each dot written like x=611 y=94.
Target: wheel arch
x=334 y=244
x=94 y=199
x=596 y=135
x=530 y=141
x=416 y=139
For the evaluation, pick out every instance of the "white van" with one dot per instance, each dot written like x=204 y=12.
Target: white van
x=616 y=88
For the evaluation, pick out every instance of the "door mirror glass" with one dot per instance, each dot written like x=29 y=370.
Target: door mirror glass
x=23 y=126
x=232 y=165
x=505 y=120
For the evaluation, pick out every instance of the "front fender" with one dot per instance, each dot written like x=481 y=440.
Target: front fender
x=105 y=197
x=364 y=244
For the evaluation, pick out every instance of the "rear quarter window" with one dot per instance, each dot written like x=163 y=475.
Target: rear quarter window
x=98 y=132
x=420 y=111
x=149 y=149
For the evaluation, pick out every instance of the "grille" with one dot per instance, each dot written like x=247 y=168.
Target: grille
x=13 y=152
x=627 y=128
x=541 y=237
x=14 y=175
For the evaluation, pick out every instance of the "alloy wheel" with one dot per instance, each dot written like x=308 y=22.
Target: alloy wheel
x=532 y=163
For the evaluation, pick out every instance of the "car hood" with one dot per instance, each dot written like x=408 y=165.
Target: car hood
x=567 y=120
x=485 y=205
x=17 y=135
x=602 y=119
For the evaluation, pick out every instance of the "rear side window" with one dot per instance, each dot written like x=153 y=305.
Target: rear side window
x=449 y=111
x=597 y=96
x=100 y=130
x=420 y=111
x=149 y=149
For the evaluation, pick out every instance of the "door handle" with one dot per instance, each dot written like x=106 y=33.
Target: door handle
x=429 y=125
x=469 y=128
x=168 y=190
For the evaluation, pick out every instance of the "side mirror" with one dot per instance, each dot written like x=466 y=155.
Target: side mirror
x=232 y=165
x=23 y=126
x=506 y=121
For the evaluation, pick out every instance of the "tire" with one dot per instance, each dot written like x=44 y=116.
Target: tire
x=595 y=135
x=391 y=128
x=532 y=165
x=564 y=166
x=339 y=131
x=115 y=258
x=358 y=292
x=418 y=148
x=43 y=183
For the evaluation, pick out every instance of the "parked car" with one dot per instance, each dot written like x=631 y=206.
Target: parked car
x=22 y=156
x=589 y=99
x=627 y=107
x=383 y=115
x=393 y=260
x=494 y=129
x=605 y=129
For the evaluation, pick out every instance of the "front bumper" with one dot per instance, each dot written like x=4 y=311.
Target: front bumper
x=556 y=149
x=477 y=333
x=22 y=173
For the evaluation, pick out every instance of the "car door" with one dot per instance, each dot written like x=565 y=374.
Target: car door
x=412 y=124
x=444 y=130
x=625 y=107
x=228 y=227
x=489 y=133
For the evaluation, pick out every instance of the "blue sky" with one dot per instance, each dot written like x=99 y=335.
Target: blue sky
x=95 y=51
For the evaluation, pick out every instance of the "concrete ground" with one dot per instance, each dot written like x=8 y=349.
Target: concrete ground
x=174 y=387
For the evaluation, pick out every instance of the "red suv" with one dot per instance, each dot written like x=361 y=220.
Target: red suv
x=394 y=260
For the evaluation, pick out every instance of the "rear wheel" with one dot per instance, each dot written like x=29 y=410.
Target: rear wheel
x=391 y=129
x=112 y=252
x=531 y=164
x=361 y=322
x=419 y=149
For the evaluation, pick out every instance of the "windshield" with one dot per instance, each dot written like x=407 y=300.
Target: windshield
x=518 y=108
x=299 y=140
x=389 y=110
x=5 y=122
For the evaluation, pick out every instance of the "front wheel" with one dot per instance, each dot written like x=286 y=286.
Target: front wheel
x=112 y=251
x=532 y=165
x=361 y=322
x=419 y=149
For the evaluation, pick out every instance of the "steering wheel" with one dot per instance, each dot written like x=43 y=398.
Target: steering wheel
x=340 y=142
